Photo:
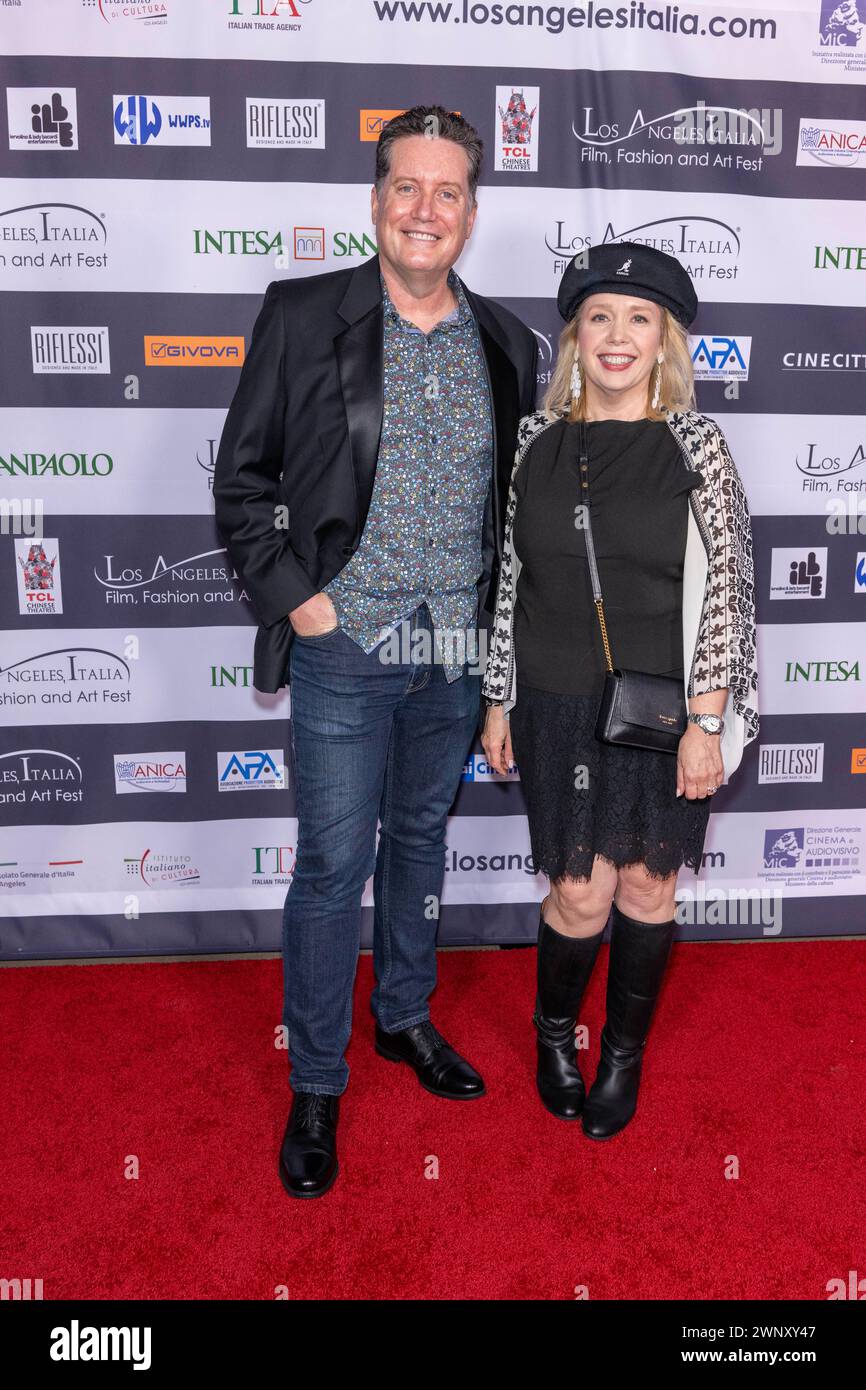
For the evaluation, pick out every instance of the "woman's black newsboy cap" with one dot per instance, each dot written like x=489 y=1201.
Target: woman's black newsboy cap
x=627 y=267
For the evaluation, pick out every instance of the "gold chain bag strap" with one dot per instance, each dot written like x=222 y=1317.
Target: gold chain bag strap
x=638 y=709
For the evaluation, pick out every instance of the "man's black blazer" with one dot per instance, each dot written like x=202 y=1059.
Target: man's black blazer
x=297 y=457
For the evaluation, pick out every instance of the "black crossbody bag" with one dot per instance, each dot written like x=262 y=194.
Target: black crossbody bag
x=638 y=708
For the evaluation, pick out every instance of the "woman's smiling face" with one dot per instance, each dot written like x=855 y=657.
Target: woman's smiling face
x=618 y=341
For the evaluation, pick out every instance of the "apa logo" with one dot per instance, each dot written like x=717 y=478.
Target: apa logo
x=718 y=358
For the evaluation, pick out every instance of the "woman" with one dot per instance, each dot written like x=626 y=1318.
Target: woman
x=611 y=824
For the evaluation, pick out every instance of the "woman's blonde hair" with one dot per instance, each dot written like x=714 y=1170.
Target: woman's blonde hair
x=677 y=386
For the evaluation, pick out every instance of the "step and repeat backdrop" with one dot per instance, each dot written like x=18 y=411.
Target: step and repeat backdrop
x=160 y=163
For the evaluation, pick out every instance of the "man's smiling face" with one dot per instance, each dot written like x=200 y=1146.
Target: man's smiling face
x=425 y=213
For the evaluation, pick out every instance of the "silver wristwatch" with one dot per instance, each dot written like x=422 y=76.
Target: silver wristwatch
x=710 y=723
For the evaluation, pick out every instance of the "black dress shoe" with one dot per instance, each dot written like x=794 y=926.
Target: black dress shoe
x=308 y=1155
x=441 y=1070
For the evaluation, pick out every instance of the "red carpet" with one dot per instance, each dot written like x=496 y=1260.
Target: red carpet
x=758 y=1052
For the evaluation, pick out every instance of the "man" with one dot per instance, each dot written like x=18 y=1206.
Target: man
x=380 y=406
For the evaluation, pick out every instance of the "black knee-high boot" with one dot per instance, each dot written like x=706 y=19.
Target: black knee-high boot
x=564 y=968
x=639 y=953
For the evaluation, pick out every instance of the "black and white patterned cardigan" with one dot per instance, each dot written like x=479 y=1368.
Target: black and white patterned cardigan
x=718 y=583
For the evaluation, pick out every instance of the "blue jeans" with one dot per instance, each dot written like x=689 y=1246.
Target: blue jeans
x=370 y=742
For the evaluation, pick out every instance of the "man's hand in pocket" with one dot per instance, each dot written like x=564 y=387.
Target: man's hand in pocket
x=315 y=617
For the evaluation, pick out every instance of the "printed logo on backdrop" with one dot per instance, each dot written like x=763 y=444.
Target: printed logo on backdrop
x=798 y=573
x=38 y=573
x=718 y=358
x=272 y=865
x=842 y=34
x=37 y=871
x=708 y=248
x=839 y=144
x=144 y=120
x=790 y=762
x=143 y=13
x=45 y=775
x=742 y=136
x=285 y=123
x=860 y=573
x=155 y=868
x=262 y=769
x=149 y=772
x=67 y=676
x=188 y=582
x=69 y=351
x=276 y=16
x=478 y=769
x=187 y=350
x=310 y=244
x=819 y=465
x=822 y=671
x=372 y=123
x=42 y=118
x=52 y=236
x=813 y=360
x=545 y=358
x=811 y=855
x=517 y=116
x=858 y=760
x=208 y=464
x=66 y=465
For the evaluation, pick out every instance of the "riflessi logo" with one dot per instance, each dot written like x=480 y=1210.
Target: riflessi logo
x=790 y=762
x=517 y=122
x=146 y=120
x=149 y=772
x=285 y=123
x=38 y=568
x=192 y=351
x=718 y=358
x=42 y=118
x=69 y=351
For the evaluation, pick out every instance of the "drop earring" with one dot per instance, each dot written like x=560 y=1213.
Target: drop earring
x=658 y=384
x=575 y=380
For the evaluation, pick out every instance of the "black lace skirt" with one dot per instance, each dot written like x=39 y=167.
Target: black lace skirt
x=623 y=808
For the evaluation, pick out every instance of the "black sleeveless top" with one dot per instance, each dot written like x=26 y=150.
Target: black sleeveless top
x=638 y=491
